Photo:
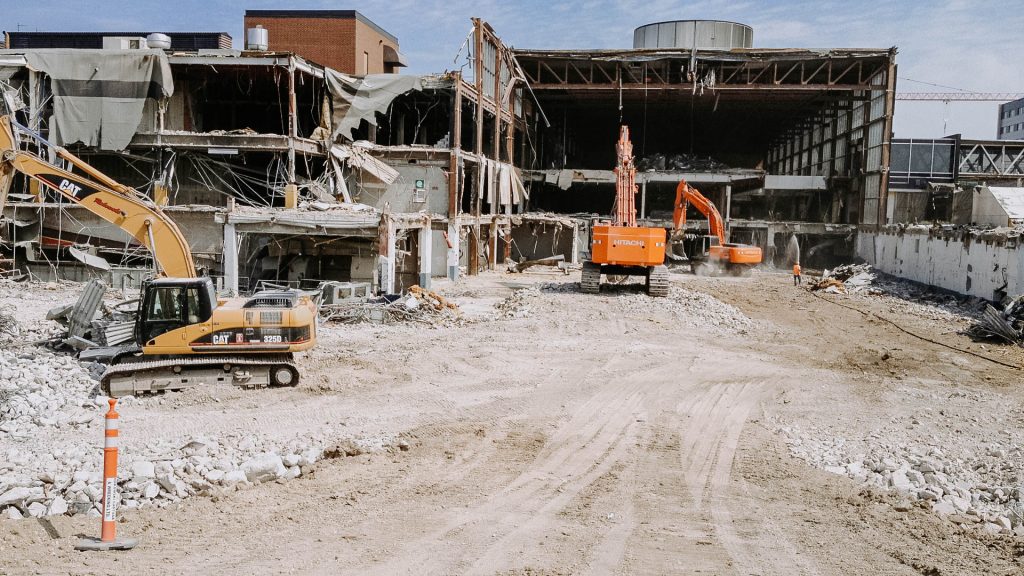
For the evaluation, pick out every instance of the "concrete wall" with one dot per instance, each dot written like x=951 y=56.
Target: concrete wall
x=983 y=267
x=400 y=195
x=986 y=210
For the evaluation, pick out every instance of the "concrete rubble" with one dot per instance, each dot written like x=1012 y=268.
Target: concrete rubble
x=51 y=431
x=687 y=307
x=419 y=305
x=851 y=278
x=925 y=461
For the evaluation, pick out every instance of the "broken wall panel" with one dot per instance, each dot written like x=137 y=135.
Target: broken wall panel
x=986 y=264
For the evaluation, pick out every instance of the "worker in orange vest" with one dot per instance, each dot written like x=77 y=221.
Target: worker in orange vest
x=796 y=273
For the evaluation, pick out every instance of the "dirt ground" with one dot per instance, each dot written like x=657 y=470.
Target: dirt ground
x=583 y=437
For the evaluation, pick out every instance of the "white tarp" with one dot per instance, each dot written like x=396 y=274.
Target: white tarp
x=98 y=95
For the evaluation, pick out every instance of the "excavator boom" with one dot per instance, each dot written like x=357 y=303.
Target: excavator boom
x=686 y=194
x=737 y=256
x=120 y=205
x=625 y=181
x=185 y=335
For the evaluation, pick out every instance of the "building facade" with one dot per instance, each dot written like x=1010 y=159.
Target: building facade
x=1011 y=120
x=344 y=40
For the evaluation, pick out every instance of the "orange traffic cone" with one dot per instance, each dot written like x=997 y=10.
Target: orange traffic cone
x=108 y=528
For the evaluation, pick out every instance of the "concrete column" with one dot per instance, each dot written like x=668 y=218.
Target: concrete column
x=426 y=242
x=387 y=264
x=575 y=259
x=728 y=209
x=453 y=249
x=385 y=273
x=230 y=259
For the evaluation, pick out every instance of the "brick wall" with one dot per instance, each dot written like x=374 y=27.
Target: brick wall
x=338 y=43
x=327 y=41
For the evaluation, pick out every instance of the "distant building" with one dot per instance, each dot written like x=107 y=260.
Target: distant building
x=181 y=41
x=341 y=39
x=1011 y=120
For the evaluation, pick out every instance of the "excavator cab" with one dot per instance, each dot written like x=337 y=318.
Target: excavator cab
x=171 y=303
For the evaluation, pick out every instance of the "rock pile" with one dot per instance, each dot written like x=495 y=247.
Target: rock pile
x=982 y=488
x=848 y=279
x=520 y=303
x=51 y=423
x=40 y=389
x=68 y=480
x=687 y=307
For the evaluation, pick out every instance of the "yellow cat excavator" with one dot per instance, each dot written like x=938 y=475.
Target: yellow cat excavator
x=184 y=334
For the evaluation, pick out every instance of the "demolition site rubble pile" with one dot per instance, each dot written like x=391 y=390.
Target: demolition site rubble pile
x=1005 y=325
x=51 y=429
x=689 y=308
x=928 y=463
x=420 y=305
x=847 y=279
x=901 y=296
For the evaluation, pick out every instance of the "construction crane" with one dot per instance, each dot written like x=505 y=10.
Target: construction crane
x=184 y=334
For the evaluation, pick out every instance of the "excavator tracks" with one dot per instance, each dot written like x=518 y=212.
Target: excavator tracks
x=135 y=377
x=590 y=281
x=657 y=281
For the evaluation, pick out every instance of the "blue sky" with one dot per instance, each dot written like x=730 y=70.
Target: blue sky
x=974 y=45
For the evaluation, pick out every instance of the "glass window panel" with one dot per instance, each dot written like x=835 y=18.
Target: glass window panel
x=942 y=159
x=899 y=158
x=921 y=158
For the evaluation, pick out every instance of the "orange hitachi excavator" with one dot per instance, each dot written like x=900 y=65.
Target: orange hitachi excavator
x=708 y=252
x=621 y=247
x=184 y=334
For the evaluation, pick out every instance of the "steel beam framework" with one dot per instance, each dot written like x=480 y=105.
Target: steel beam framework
x=989 y=159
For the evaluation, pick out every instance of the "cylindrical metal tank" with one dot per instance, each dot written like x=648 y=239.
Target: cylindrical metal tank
x=158 y=40
x=705 y=34
x=257 y=38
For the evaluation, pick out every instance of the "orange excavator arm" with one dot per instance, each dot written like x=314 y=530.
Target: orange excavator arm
x=686 y=194
x=120 y=205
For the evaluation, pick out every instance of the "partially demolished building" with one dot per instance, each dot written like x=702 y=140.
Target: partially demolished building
x=282 y=170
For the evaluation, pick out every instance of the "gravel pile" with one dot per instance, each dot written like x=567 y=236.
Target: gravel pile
x=40 y=389
x=51 y=422
x=966 y=477
x=688 y=307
